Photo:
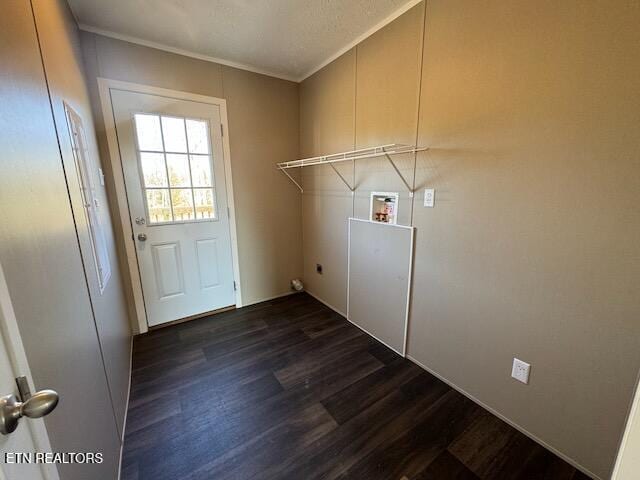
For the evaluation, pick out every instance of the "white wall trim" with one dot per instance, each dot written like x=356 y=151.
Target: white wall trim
x=383 y=224
x=378 y=26
x=280 y=295
x=126 y=408
x=140 y=325
x=185 y=53
x=630 y=429
x=354 y=324
x=474 y=399
x=505 y=419
x=326 y=304
x=104 y=86
x=360 y=327
x=242 y=66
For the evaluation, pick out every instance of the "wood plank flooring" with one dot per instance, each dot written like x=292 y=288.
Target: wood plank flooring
x=288 y=389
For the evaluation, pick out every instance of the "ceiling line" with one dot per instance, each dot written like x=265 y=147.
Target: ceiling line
x=179 y=51
x=383 y=23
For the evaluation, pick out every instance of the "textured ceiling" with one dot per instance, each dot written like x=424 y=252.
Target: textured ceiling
x=286 y=38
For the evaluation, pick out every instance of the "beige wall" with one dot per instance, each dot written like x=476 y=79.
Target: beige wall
x=532 y=113
x=263 y=130
x=60 y=43
x=327 y=124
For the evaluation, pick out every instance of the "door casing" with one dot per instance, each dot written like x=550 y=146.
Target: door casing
x=104 y=86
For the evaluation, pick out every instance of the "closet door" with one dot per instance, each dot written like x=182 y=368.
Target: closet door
x=41 y=260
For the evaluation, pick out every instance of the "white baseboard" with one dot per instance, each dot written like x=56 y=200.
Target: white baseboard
x=280 y=295
x=327 y=304
x=522 y=430
x=374 y=337
x=126 y=408
x=353 y=323
x=409 y=357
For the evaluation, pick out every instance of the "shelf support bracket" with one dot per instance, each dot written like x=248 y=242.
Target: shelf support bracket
x=341 y=177
x=292 y=179
x=399 y=174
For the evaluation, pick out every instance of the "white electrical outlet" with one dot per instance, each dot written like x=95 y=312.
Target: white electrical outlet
x=429 y=197
x=520 y=370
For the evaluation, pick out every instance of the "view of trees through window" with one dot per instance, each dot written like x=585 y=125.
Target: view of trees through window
x=175 y=162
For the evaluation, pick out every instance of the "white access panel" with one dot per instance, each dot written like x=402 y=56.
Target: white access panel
x=379 y=280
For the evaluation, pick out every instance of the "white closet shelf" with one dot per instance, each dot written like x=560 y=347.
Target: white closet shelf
x=353 y=155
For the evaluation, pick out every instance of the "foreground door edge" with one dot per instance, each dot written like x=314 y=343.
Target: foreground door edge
x=31 y=434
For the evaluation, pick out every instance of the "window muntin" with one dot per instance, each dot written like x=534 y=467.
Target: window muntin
x=176 y=168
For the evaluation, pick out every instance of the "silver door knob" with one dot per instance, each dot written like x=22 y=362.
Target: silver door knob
x=142 y=237
x=38 y=405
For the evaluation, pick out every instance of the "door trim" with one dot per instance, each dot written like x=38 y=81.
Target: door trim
x=104 y=87
x=625 y=454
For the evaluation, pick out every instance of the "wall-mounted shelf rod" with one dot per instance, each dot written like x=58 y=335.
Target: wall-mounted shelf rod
x=293 y=180
x=406 y=184
x=342 y=178
x=353 y=155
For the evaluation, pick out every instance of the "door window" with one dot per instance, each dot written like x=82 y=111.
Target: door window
x=176 y=170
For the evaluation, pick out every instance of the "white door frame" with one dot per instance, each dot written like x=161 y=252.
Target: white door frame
x=627 y=460
x=104 y=87
x=19 y=362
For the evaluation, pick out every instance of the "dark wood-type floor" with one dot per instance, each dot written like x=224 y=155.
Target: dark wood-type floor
x=288 y=389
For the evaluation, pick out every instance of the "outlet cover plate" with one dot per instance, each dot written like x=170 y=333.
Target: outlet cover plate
x=429 y=197
x=520 y=370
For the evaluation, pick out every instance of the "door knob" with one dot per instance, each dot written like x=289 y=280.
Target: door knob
x=38 y=405
x=142 y=237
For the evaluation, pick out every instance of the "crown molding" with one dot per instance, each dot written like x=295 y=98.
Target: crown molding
x=180 y=51
x=380 y=25
x=242 y=66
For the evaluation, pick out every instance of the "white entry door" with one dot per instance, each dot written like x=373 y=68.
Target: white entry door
x=172 y=158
